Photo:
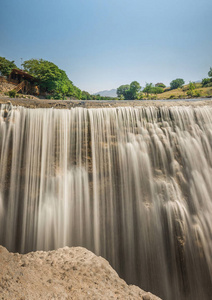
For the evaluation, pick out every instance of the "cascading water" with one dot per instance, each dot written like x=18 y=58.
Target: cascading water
x=131 y=184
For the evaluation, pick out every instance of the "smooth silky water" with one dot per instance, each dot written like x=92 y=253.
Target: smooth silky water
x=133 y=185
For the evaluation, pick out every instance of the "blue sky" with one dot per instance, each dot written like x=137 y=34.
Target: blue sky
x=102 y=44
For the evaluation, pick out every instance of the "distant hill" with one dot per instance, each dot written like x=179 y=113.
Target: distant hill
x=110 y=93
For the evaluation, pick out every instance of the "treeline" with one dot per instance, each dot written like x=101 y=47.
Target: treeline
x=53 y=82
x=135 y=91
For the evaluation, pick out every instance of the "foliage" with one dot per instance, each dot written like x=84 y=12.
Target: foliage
x=191 y=86
x=197 y=94
x=140 y=96
x=129 y=92
x=172 y=97
x=189 y=93
x=85 y=95
x=152 y=97
x=177 y=83
x=148 y=88
x=160 y=84
x=205 y=81
x=157 y=90
x=209 y=92
x=12 y=93
x=6 y=66
x=51 y=79
x=191 y=90
x=209 y=84
x=210 y=72
x=122 y=90
x=134 y=89
x=58 y=96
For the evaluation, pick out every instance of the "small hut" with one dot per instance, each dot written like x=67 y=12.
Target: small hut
x=26 y=83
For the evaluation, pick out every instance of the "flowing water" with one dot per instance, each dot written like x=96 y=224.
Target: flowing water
x=133 y=185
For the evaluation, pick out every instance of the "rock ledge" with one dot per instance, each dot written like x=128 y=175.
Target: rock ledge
x=66 y=273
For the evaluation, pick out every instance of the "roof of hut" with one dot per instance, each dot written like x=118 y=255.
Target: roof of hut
x=23 y=74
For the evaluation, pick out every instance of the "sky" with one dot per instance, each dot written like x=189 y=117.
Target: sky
x=102 y=44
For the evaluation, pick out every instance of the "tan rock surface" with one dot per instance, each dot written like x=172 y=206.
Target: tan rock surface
x=67 y=104
x=67 y=273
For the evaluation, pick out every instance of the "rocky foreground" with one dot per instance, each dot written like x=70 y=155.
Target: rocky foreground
x=67 y=273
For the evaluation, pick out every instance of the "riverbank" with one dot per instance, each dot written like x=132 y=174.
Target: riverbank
x=67 y=104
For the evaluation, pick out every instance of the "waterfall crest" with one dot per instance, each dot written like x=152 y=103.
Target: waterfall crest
x=130 y=184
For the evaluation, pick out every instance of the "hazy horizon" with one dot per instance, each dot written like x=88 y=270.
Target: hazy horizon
x=104 y=44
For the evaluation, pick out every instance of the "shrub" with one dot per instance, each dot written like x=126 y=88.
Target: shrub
x=185 y=88
x=208 y=84
x=160 y=84
x=205 y=81
x=190 y=93
x=58 y=96
x=157 y=90
x=197 y=94
x=12 y=93
x=209 y=92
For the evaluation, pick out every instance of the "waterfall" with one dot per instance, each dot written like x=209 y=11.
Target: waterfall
x=132 y=184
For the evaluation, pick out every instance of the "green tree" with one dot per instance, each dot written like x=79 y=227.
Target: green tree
x=148 y=88
x=85 y=95
x=210 y=72
x=205 y=81
x=177 y=83
x=160 y=84
x=134 y=90
x=157 y=90
x=6 y=66
x=47 y=73
x=191 y=89
x=129 y=92
x=51 y=79
x=121 y=91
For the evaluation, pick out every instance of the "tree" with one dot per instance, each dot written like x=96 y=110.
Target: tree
x=51 y=78
x=157 y=90
x=85 y=95
x=121 y=91
x=210 y=72
x=177 y=83
x=47 y=73
x=148 y=88
x=6 y=66
x=160 y=84
x=205 y=81
x=134 y=90
x=191 y=89
x=129 y=92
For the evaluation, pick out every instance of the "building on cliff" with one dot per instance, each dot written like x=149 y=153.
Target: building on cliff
x=21 y=82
